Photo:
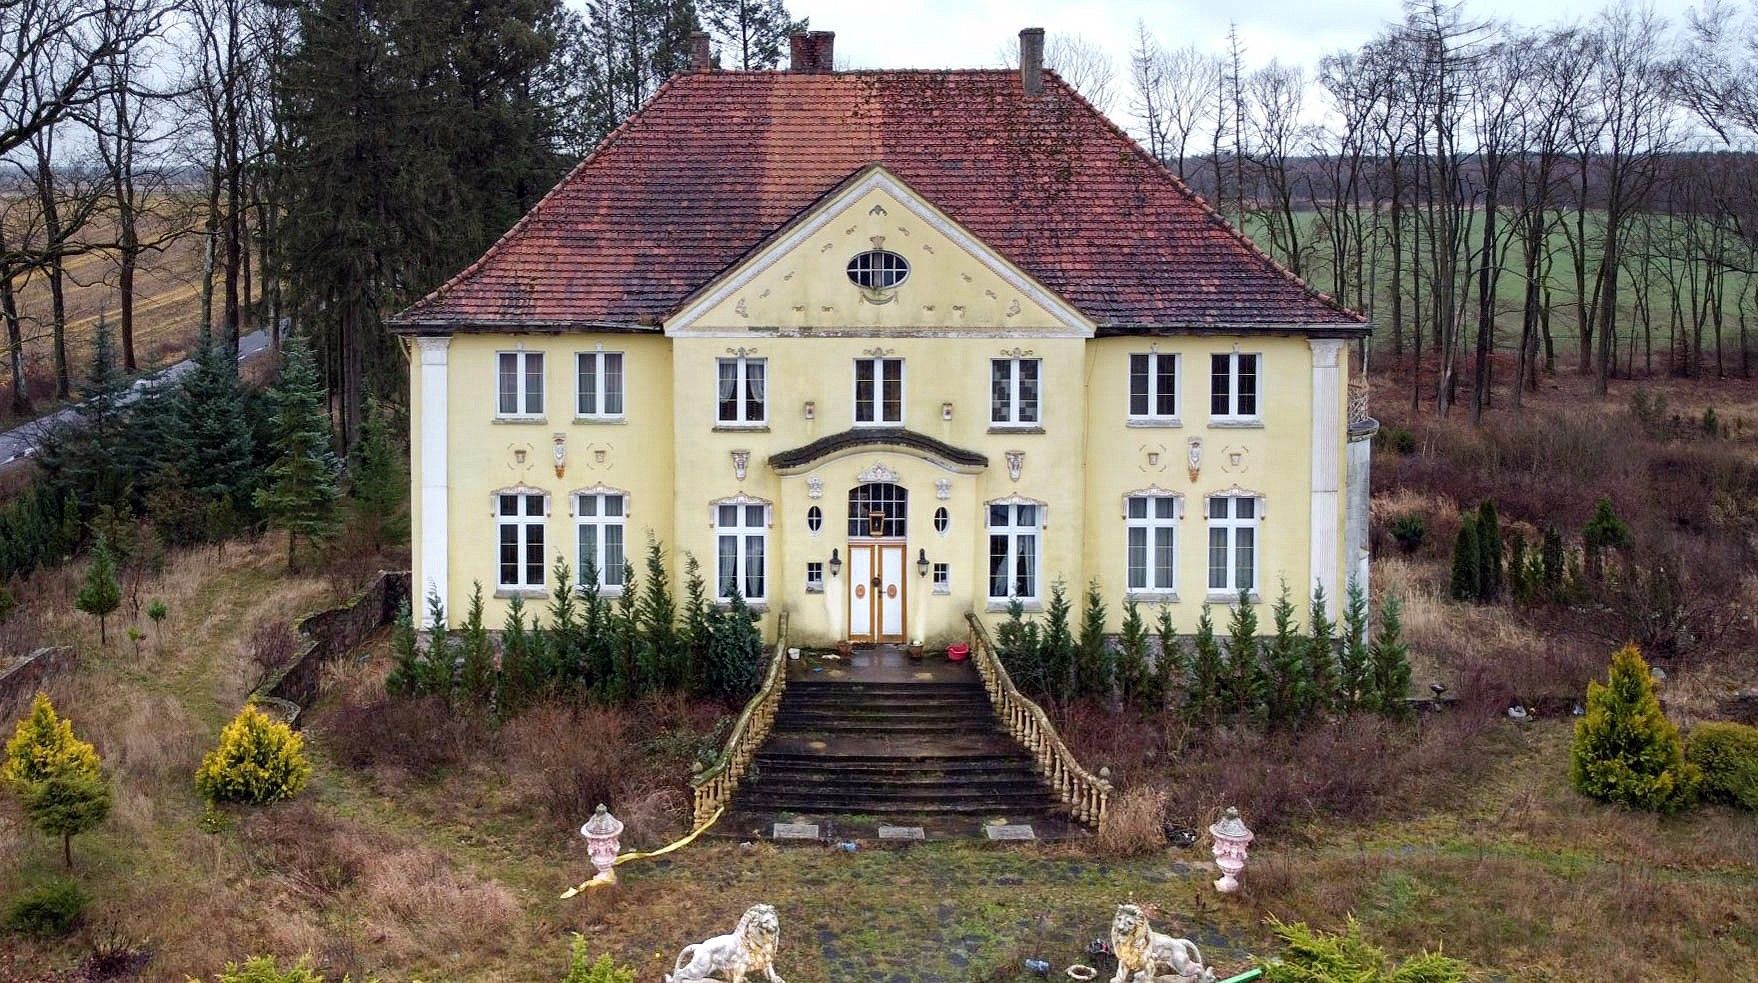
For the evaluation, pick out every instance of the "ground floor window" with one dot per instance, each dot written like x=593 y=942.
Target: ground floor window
x=1013 y=551
x=519 y=518
x=599 y=522
x=1233 y=523
x=742 y=540
x=1151 y=523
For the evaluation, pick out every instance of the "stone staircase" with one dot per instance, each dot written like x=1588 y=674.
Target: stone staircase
x=853 y=753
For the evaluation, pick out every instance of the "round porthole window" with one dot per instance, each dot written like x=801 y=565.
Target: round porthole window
x=814 y=518
x=941 y=520
x=878 y=269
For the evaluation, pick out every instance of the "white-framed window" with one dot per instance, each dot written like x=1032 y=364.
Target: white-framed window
x=599 y=525
x=519 y=522
x=878 y=392
x=1013 y=551
x=1233 y=386
x=814 y=577
x=1013 y=392
x=1153 y=386
x=1233 y=543
x=942 y=578
x=1151 y=527
x=599 y=385
x=519 y=384
x=742 y=538
x=741 y=391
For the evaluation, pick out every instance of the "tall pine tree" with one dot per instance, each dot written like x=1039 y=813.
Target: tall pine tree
x=299 y=492
x=752 y=34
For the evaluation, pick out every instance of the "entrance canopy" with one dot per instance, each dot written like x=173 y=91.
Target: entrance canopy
x=860 y=439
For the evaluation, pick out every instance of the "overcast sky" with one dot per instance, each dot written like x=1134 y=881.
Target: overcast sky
x=968 y=33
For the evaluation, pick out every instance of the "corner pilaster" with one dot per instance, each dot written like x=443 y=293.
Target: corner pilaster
x=1328 y=441
x=431 y=357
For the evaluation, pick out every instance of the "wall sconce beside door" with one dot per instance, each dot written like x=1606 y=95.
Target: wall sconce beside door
x=835 y=563
x=922 y=562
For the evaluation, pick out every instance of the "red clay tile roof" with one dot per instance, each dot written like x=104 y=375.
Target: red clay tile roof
x=718 y=161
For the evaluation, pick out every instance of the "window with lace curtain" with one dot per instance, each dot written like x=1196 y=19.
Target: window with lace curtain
x=740 y=392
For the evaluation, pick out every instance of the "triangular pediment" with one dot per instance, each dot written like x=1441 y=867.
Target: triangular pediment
x=799 y=279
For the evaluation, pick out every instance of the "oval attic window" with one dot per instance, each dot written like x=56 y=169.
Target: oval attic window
x=878 y=269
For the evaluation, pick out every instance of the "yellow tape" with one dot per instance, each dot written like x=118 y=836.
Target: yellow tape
x=609 y=877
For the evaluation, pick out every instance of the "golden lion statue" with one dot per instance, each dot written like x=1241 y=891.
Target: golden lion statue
x=1141 y=950
x=748 y=951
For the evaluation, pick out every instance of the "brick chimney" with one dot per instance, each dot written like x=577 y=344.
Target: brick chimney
x=1031 y=60
x=701 y=57
x=812 y=51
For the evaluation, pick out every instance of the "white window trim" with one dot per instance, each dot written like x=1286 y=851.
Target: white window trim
x=519 y=390
x=742 y=422
x=742 y=531
x=1233 y=415
x=854 y=389
x=600 y=492
x=1230 y=593
x=598 y=358
x=937 y=586
x=814 y=586
x=1012 y=421
x=1150 y=418
x=1151 y=523
x=521 y=522
x=1012 y=532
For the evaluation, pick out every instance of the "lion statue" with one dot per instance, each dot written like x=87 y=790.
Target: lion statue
x=748 y=951
x=1141 y=950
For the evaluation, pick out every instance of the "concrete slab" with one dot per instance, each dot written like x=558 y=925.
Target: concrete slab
x=1009 y=832
x=902 y=833
x=794 y=831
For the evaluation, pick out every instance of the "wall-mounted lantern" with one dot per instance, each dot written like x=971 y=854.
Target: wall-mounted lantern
x=835 y=563
x=922 y=562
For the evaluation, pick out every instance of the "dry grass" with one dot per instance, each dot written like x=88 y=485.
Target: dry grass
x=1133 y=823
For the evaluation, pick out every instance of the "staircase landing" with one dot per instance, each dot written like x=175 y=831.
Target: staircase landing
x=878 y=740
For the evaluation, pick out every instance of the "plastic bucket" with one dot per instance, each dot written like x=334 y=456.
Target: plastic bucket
x=958 y=652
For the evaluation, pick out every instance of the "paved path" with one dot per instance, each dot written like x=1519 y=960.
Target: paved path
x=22 y=441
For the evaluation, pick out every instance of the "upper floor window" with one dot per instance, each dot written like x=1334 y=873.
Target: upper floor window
x=1013 y=391
x=742 y=537
x=1151 y=524
x=598 y=518
x=879 y=391
x=1233 y=523
x=878 y=269
x=1153 y=386
x=600 y=376
x=1233 y=381
x=519 y=518
x=520 y=382
x=1013 y=552
x=740 y=391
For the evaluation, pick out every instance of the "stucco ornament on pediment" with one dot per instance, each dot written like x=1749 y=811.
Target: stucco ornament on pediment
x=878 y=473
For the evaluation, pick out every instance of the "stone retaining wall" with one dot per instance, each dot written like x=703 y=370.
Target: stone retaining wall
x=19 y=683
x=331 y=634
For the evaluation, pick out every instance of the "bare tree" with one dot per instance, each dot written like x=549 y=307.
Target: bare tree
x=1084 y=64
x=1174 y=95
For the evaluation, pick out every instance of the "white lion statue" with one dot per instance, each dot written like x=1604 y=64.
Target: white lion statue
x=1141 y=951
x=748 y=951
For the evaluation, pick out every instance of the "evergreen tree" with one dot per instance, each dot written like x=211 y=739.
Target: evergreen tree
x=100 y=594
x=1135 y=681
x=439 y=666
x=638 y=674
x=1625 y=749
x=752 y=34
x=1094 y=671
x=1603 y=532
x=222 y=446
x=697 y=629
x=1244 y=685
x=1390 y=660
x=1321 y=654
x=1521 y=584
x=1355 y=667
x=1467 y=582
x=85 y=456
x=57 y=776
x=1290 y=691
x=378 y=472
x=1057 y=646
x=1489 y=553
x=735 y=651
x=1207 y=694
x=407 y=673
x=657 y=622
x=521 y=679
x=1552 y=563
x=299 y=493
x=1171 y=665
x=477 y=670
x=160 y=451
x=564 y=656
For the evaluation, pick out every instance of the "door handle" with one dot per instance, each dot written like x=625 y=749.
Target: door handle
x=877 y=582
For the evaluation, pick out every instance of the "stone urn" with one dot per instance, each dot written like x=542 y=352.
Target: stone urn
x=1231 y=842
x=603 y=834
x=915 y=651
x=844 y=648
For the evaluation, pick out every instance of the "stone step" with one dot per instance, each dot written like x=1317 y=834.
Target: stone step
x=974 y=704
x=918 y=729
x=862 y=689
x=774 y=764
x=832 y=716
x=855 y=805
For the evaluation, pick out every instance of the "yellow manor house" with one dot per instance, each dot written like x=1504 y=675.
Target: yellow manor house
x=882 y=348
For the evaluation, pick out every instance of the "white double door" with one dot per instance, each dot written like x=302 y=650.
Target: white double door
x=877 y=592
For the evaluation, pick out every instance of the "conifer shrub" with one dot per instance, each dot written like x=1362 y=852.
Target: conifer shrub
x=1244 y=685
x=1625 y=749
x=583 y=969
x=299 y=492
x=735 y=652
x=1321 y=653
x=1409 y=531
x=1489 y=552
x=57 y=777
x=1020 y=648
x=100 y=594
x=477 y=676
x=1603 y=532
x=1354 y=666
x=1057 y=645
x=1207 y=679
x=1312 y=956
x=1727 y=754
x=1552 y=564
x=258 y=760
x=1135 y=681
x=1093 y=659
x=1466 y=583
x=48 y=910
x=1389 y=662
x=1289 y=691
x=1171 y=660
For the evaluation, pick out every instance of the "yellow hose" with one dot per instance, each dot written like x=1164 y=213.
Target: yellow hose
x=609 y=876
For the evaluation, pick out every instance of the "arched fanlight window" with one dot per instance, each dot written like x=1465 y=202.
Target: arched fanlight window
x=878 y=510
x=878 y=269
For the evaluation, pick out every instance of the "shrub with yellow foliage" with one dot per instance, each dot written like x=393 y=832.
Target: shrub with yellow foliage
x=259 y=760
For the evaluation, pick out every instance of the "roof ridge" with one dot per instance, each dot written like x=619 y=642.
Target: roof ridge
x=1211 y=211
x=438 y=293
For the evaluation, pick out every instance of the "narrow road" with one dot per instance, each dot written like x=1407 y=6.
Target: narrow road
x=22 y=441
